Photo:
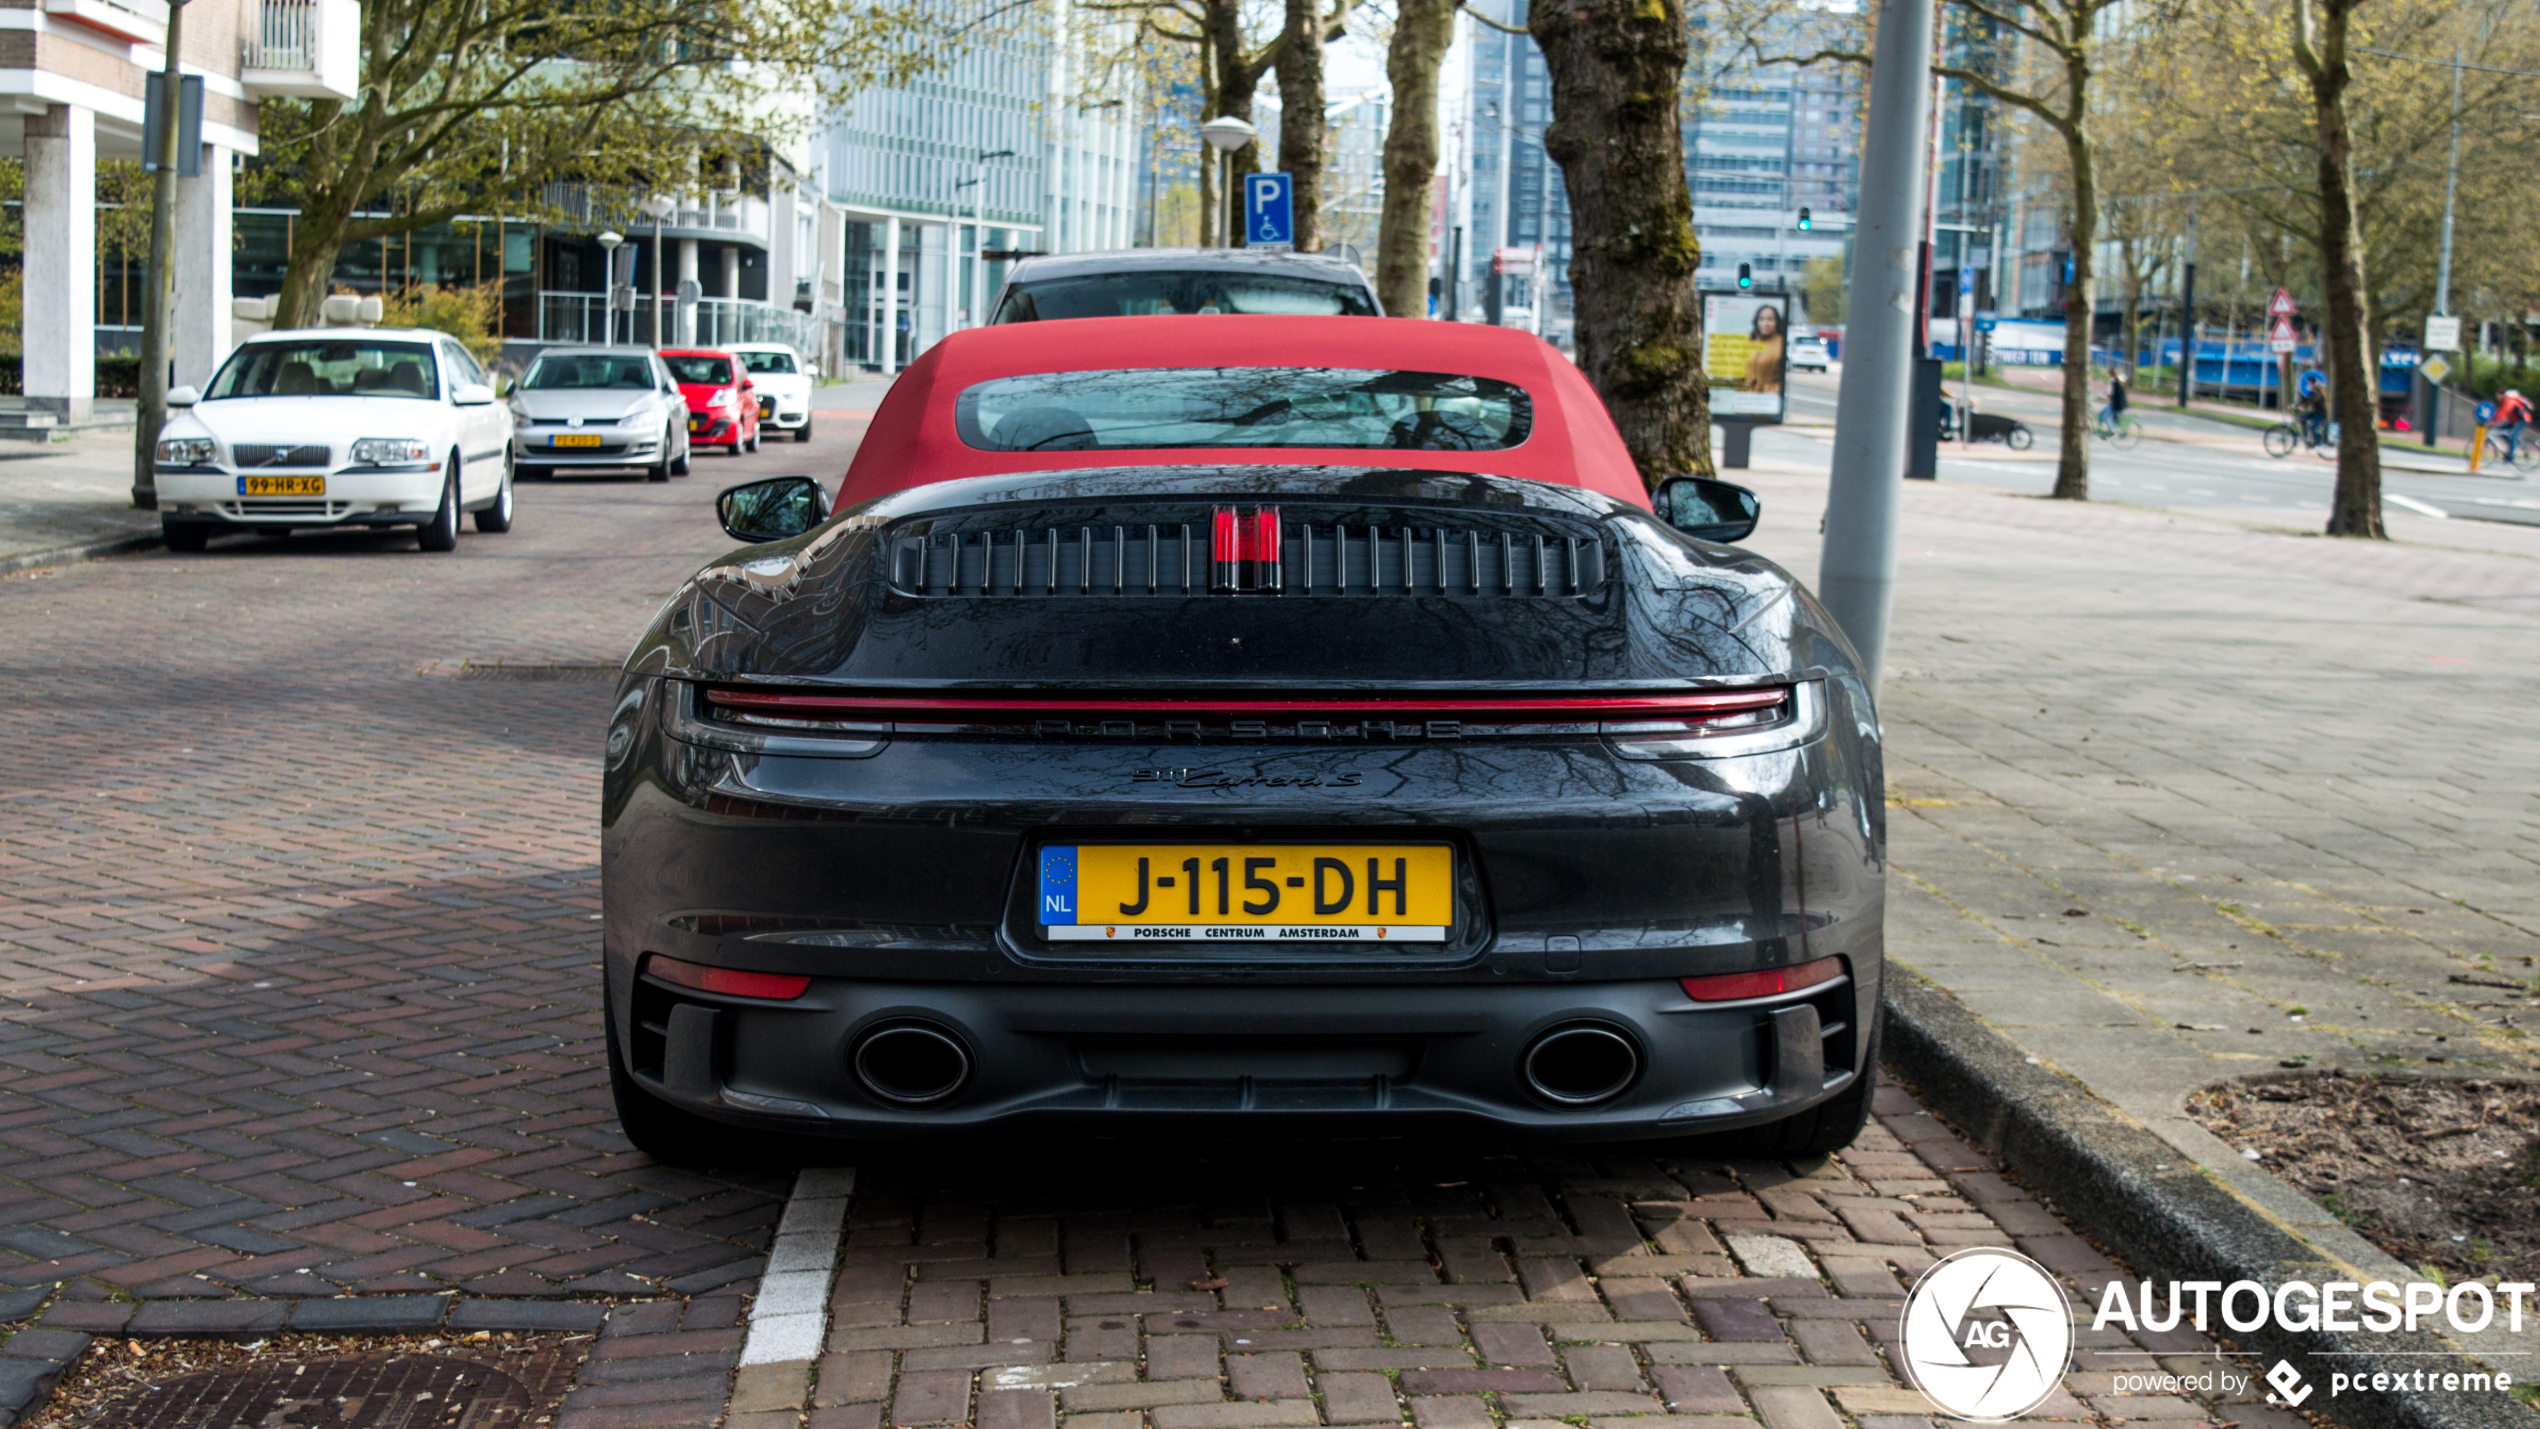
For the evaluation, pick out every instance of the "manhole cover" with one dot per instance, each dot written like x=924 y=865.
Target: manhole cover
x=367 y=1392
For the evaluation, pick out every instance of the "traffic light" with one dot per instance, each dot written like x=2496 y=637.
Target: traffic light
x=1805 y=222
x=1745 y=275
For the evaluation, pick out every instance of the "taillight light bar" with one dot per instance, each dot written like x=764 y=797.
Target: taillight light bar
x=1769 y=982
x=1696 y=705
x=727 y=982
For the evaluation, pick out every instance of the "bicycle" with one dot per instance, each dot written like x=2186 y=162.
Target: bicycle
x=2122 y=432
x=2285 y=438
x=2525 y=456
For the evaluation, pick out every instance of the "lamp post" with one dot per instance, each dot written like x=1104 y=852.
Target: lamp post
x=609 y=239
x=1226 y=134
x=656 y=208
x=979 y=227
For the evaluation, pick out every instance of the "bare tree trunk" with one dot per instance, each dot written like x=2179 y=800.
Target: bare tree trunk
x=1422 y=31
x=1615 y=69
x=1301 y=126
x=2356 y=509
x=2072 y=466
x=1238 y=79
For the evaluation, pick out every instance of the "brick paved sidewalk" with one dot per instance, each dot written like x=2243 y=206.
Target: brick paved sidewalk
x=1467 y=1287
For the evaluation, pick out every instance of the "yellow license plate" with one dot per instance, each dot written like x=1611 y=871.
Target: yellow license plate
x=1374 y=893
x=574 y=439
x=282 y=486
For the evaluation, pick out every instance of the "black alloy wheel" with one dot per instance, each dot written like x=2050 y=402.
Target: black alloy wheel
x=441 y=533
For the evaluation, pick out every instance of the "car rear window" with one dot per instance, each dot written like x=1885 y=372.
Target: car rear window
x=1243 y=407
x=1162 y=294
x=705 y=371
x=328 y=367
x=768 y=361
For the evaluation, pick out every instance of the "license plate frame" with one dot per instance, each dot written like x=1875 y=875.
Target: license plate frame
x=1117 y=892
x=282 y=486
x=565 y=440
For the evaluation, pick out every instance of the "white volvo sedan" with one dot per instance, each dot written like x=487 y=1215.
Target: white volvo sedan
x=336 y=429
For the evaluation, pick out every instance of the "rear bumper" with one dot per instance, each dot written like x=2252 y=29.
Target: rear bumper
x=1252 y=1060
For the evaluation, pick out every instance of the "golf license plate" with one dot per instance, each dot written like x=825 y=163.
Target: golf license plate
x=282 y=486
x=1375 y=893
x=574 y=439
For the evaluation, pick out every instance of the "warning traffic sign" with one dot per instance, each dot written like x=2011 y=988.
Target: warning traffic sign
x=2280 y=337
x=2281 y=305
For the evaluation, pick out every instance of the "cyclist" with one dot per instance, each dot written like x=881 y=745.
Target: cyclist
x=2114 y=412
x=2312 y=408
x=2513 y=413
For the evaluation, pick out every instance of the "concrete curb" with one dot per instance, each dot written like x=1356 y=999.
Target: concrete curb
x=85 y=551
x=2148 y=1203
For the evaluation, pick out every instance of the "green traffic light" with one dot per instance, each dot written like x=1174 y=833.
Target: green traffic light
x=1805 y=222
x=1745 y=276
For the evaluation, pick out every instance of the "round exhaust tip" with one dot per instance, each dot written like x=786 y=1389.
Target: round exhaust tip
x=911 y=1064
x=1581 y=1064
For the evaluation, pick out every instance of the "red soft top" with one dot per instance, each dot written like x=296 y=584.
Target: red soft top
x=912 y=441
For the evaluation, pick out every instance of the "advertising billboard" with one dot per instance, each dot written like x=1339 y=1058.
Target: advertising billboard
x=1744 y=354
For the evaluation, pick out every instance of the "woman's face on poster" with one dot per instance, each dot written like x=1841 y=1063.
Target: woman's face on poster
x=1768 y=322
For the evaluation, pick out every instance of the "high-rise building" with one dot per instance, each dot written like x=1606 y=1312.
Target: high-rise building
x=944 y=180
x=1765 y=143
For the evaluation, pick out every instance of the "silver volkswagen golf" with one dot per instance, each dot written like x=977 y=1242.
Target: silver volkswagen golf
x=599 y=408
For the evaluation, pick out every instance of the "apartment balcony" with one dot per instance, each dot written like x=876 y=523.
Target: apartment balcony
x=142 y=22
x=712 y=215
x=302 y=49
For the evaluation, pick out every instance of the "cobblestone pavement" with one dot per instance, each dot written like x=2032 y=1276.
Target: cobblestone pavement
x=2175 y=801
x=297 y=937
x=1462 y=1287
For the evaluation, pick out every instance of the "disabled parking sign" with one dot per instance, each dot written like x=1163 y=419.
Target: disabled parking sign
x=1269 y=211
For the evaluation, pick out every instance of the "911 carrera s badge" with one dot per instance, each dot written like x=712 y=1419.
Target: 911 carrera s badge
x=1247 y=892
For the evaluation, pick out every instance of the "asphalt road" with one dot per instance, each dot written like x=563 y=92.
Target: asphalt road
x=2188 y=461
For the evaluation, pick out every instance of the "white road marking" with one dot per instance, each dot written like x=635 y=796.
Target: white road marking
x=791 y=1314
x=2419 y=507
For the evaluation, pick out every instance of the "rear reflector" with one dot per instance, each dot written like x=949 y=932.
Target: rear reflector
x=1738 y=987
x=727 y=982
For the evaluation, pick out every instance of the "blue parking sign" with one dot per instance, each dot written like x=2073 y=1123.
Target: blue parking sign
x=1269 y=211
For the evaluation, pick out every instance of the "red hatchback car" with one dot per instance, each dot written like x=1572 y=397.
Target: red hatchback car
x=722 y=401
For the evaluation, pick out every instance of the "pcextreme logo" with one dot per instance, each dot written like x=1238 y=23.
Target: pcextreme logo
x=1987 y=1335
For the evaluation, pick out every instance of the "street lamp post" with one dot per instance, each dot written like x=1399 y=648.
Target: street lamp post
x=609 y=239
x=979 y=228
x=1226 y=134
x=655 y=208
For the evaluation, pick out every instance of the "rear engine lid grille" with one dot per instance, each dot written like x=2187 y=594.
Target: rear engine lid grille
x=1252 y=550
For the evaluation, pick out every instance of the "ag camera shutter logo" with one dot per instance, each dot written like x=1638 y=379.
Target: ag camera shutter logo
x=1987 y=1334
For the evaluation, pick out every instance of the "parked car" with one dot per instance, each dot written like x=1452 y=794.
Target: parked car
x=722 y=400
x=1291 y=726
x=1144 y=282
x=337 y=428
x=784 y=386
x=1808 y=354
x=598 y=408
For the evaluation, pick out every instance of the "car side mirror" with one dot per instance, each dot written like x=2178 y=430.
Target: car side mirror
x=1705 y=509
x=183 y=396
x=471 y=394
x=772 y=510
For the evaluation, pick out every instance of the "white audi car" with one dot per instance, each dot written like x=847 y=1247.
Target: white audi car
x=784 y=386
x=336 y=429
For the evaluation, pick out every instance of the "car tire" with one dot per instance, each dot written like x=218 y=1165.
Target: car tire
x=497 y=518
x=802 y=433
x=1823 y=1129
x=184 y=536
x=752 y=443
x=441 y=533
x=658 y=1129
x=658 y=471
